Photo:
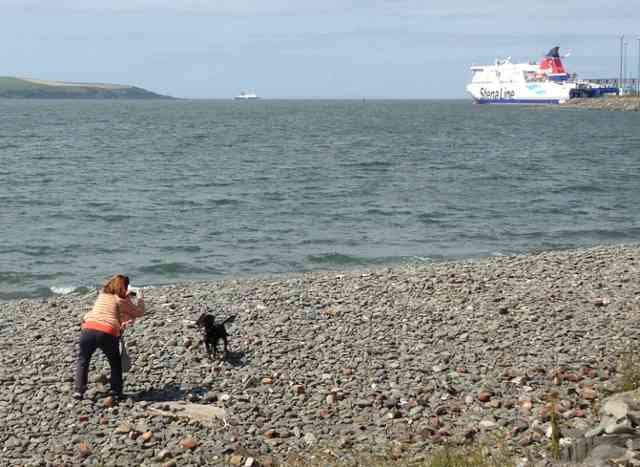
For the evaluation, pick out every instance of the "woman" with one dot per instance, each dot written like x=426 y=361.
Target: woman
x=111 y=313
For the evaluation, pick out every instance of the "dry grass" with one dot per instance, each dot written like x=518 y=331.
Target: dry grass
x=444 y=457
x=629 y=370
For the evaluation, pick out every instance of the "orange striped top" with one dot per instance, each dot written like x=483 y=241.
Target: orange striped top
x=110 y=311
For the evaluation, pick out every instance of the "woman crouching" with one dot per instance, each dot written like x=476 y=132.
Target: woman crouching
x=101 y=327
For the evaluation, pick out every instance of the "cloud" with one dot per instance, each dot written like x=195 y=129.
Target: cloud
x=221 y=7
x=496 y=9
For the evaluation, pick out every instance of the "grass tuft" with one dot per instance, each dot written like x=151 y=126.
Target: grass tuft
x=629 y=370
x=443 y=457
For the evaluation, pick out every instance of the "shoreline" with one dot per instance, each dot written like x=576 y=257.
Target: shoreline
x=619 y=103
x=408 y=356
x=404 y=262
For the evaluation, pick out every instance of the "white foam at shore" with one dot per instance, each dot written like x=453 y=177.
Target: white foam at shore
x=62 y=290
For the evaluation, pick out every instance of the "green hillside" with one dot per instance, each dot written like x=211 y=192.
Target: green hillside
x=24 y=88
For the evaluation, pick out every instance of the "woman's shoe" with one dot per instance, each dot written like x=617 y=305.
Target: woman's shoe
x=77 y=396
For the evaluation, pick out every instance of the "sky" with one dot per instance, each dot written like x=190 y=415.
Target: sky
x=307 y=49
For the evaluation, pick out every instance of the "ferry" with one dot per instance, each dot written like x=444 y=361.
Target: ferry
x=530 y=83
x=244 y=96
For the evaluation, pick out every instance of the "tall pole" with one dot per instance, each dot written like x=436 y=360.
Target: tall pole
x=625 y=72
x=638 y=77
x=620 y=73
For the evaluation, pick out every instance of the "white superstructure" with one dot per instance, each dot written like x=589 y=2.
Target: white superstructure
x=246 y=96
x=505 y=82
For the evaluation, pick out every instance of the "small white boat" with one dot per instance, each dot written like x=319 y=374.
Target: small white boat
x=244 y=96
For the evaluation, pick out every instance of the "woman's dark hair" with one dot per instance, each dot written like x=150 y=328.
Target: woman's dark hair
x=117 y=285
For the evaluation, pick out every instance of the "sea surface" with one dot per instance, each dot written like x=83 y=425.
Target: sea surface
x=175 y=191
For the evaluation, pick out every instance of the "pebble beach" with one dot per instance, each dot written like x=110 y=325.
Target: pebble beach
x=401 y=359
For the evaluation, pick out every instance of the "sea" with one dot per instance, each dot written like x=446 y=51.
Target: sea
x=191 y=190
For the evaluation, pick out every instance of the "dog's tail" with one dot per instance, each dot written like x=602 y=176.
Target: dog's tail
x=229 y=319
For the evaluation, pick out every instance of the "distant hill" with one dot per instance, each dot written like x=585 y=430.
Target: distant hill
x=27 y=88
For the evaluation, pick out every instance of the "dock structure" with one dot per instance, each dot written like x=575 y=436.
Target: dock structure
x=630 y=82
x=626 y=86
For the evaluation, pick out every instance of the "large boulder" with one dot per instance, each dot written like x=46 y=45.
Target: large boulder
x=616 y=439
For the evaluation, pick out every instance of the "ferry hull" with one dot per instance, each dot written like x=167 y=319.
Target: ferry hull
x=538 y=93
x=518 y=101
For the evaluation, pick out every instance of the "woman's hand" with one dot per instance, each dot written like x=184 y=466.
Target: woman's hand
x=126 y=324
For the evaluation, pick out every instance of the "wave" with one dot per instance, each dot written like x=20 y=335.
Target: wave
x=386 y=213
x=70 y=289
x=184 y=248
x=211 y=184
x=38 y=292
x=433 y=218
x=369 y=165
x=184 y=203
x=337 y=259
x=317 y=241
x=109 y=217
x=582 y=188
x=16 y=278
x=225 y=202
x=29 y=250
x=176 y=268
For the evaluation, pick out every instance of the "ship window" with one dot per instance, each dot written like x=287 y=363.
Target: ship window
x=533 y=77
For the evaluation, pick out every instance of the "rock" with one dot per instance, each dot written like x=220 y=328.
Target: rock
x=236 y=459
x=123 y=428
x=205 y=414
x=600 y=455
x=594 y=432
x=344 y=443
x=615 y=407
x=620 y=427
x=416 y=412
x=526 y=405
x=84 y=449
x=163 y=455
x=488 y=424
x=600 y=301
x=189 y=443
x=589 y=393
x=310 y=439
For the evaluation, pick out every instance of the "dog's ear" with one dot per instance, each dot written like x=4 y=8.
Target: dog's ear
x=229 y=319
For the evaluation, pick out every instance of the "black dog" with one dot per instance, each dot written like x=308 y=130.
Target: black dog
x=213 y=332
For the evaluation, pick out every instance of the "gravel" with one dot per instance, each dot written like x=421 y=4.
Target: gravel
x=407 y=357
